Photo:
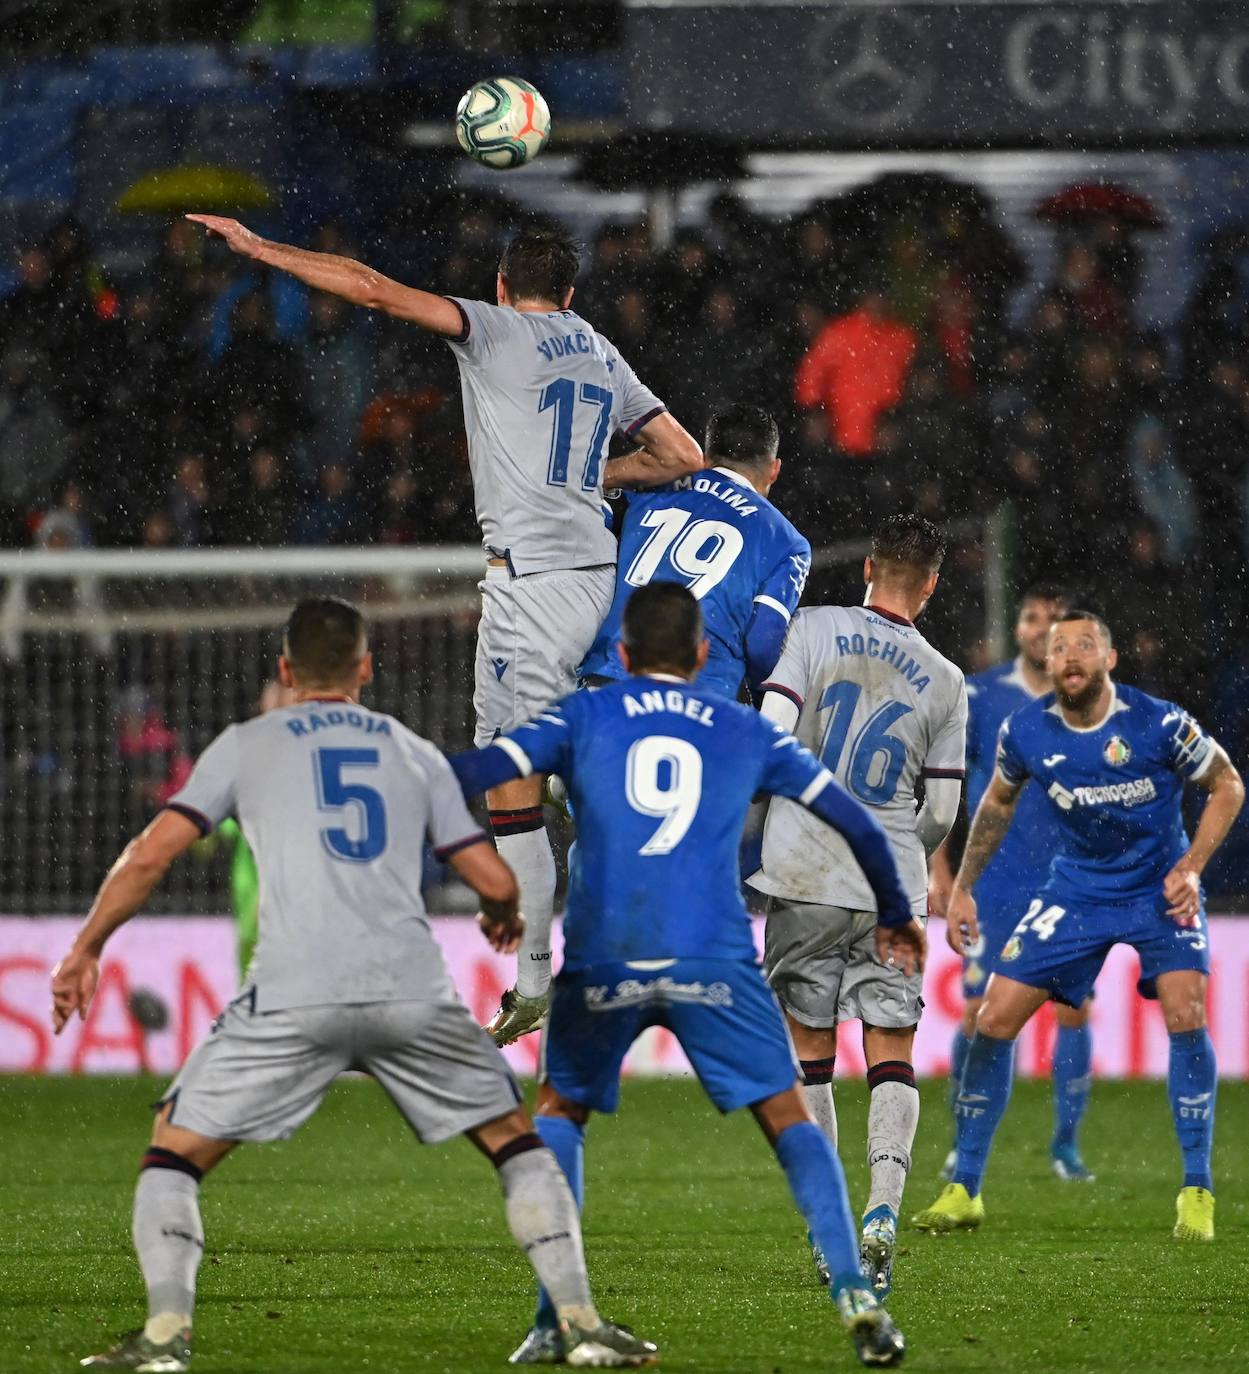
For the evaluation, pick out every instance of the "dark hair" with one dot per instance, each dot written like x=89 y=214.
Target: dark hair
x=741 y=435
x=662 y=628
x=1077 y=614
x=540 y=264
x=324 y=640
x=1046 y=591
x=909 y=541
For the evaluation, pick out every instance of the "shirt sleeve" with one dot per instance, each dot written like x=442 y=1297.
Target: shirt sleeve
x=1191 y=750
x=451 y=826
x=948 y=755
x=789 y=676
x=637 y=405
x=485 y=327
x=210 y=793
x=1011 y=766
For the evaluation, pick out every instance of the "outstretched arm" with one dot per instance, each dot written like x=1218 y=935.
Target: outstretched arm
x=667 y=452
x=344 y=277
x=143 y=863
x=1181 y=887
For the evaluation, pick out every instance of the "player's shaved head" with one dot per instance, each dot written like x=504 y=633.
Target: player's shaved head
x=908 y=546
x=1093 y=618
x=540 y=265
x=324 y=641
x=662 y=629
x=741 y=436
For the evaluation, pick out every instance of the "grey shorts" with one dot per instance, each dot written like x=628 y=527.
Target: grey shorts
x=822 y=965
x=261 y=1075
x=534 y=632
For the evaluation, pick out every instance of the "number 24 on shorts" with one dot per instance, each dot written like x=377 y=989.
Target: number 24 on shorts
x=1042 y=922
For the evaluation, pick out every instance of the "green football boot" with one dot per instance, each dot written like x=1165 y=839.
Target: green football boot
x=135 y=1351
x=605 y=1346
x=518 y=1016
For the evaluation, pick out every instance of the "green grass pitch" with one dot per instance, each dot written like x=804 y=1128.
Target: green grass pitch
x=350 y=1248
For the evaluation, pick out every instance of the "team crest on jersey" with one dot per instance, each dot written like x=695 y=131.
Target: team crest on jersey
x=1012 y=949
x=1117 y=751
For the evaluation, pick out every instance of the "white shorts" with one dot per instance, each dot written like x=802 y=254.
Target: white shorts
x=261 y=1075
x=534 y=632
x=822 y=965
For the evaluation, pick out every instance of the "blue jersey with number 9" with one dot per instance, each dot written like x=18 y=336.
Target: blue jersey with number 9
x=660 y=775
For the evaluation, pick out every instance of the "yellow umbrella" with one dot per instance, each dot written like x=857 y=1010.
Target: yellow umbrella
x=212 y=189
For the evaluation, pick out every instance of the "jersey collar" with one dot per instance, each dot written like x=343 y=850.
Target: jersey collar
x=1112 y=710
x=889 y=615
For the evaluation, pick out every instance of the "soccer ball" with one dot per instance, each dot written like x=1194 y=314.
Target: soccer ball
x=502 y=122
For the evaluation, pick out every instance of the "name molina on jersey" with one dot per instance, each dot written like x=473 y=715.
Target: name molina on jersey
x=887 y=651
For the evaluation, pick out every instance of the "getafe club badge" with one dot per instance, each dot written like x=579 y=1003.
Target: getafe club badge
x=1116 y=751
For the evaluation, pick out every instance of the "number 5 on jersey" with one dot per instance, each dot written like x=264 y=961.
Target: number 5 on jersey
x=335 y=793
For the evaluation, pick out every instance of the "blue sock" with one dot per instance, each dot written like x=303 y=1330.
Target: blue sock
x=981 y=1101
x=958 y=1059
x=1073 y=1059
x=1192 y=1080
x=819 y=1188
x=566 y=1141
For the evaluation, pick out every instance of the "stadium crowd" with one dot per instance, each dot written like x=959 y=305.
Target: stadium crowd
x=201 y=402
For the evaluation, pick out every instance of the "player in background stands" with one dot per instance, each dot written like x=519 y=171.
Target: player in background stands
x=717 y=534
x=334 y=800
x=863 y=689
x=1112 y=763
x=543 y=394
x=1015 y=874
x=661 y=775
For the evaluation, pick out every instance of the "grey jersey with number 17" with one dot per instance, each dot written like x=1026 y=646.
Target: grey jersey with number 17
x=543 y=394
x=336 y=802
x=881 y=708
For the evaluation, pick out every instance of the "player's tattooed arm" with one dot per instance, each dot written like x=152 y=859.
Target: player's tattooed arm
x=988 y=829
x=1182 y=885
x=353 y=281
x=668 y=452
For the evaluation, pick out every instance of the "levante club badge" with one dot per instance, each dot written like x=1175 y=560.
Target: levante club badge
x=1116 y=751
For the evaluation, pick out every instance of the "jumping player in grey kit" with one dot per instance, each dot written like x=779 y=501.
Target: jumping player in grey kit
x=335 y=801
x=543 y=394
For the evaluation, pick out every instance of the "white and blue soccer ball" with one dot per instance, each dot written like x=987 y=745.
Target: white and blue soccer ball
x=502 y=122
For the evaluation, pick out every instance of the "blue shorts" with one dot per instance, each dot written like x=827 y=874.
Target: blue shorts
x=721 y=1010
x=1062 y=941
x=1000 y=902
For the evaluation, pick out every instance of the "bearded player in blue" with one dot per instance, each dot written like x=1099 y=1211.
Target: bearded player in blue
x=656 y=934
x=1113 y=763
x=717 y=534
x=1014 y=875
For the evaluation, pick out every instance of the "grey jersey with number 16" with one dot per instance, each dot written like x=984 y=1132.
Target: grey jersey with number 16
x=881 y=708
x=543 y=394
x=336 y=802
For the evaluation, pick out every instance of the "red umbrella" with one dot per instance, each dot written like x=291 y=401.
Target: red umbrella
x=1098 y=200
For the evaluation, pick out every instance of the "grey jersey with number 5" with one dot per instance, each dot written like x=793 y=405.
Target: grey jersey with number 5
x=336 y=802
x=543 y=394
x=881 y=707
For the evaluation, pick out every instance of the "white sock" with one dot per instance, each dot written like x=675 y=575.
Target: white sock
x=169 y=1238
x=544 y=1222
x=891 y=1122
x=529 y=857
x=817 y=1092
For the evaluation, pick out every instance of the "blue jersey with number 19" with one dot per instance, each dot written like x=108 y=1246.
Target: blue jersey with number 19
x=733 y=549
x=661 y=776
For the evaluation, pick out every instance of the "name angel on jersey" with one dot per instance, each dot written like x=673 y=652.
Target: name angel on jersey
x=887 y=652
x=689 y=707
x=316 y=720
x=1134 y=793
